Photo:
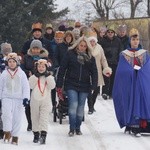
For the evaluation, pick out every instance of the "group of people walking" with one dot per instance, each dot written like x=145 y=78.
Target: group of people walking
x=79 y=61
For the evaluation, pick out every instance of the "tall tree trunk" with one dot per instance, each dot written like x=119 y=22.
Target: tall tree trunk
x=133 y=6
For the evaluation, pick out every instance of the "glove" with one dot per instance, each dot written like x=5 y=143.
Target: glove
x=60 y=93
x=25 y=102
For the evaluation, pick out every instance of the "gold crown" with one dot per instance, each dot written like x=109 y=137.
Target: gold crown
x=59 y=34
x=37 y=25
x=133 y=32
x=42 y=62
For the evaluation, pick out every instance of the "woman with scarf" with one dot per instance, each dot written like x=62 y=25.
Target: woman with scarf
x=131 y=87
x=78 y=75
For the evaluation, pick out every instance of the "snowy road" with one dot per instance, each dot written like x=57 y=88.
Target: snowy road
x=100 y=132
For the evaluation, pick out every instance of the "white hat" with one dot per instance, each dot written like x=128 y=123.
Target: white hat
x=93 y=38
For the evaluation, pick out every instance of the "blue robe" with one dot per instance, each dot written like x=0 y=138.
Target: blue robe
x=131 y=92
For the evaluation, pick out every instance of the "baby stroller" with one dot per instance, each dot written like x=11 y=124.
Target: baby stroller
x=61 y=109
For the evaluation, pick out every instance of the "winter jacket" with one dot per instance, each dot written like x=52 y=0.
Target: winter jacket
x=29 y=60
x=45 y=44
x=112 y=49
x=101 y=63
x=60 y=52
x=124 y=41
x=16 y=88
x=49 y=37
x=77 y=76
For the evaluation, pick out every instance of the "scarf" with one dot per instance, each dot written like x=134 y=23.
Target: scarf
x=82 y=57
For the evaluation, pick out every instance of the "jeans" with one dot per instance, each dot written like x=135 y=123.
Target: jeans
x=76 y=101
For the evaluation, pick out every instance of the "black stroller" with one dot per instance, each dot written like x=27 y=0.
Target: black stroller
x=61 y=109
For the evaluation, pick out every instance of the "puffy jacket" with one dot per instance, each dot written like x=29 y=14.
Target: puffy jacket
x=77 y=76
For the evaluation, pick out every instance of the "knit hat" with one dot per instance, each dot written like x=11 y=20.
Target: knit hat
x=62 y=28
x=14 y=56
x=59 y=34
x=93 y=38
x=103 y=29
x=49 y=26
x=112 y=28
x=6 y=48
x=36 y=43
x=122 y=28
x=36 y=27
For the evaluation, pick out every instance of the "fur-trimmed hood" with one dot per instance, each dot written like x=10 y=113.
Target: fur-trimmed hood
x=43 y=53
x=83 y=38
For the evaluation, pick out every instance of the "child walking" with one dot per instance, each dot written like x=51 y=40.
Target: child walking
x=41 y=84
x=5 y=50
x=14 y=93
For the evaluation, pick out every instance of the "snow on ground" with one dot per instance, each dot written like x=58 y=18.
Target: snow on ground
x=100 y=132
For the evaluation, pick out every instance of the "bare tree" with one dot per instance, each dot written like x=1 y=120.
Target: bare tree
x=103 y=7
x=133 y=6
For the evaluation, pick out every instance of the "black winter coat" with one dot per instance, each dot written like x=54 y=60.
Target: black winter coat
x=60 y=52
x=77 y=76
x=125 y=41
x=112 y=49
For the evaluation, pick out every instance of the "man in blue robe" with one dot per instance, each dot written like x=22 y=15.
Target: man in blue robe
x=131 y=94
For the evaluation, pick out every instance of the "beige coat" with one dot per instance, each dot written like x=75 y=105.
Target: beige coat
x=101 y=63
x=41 y=104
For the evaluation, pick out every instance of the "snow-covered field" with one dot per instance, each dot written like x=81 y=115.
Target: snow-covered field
x=100 y=132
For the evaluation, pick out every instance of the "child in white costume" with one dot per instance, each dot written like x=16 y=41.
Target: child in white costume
x=41 y=84
x=14 y=93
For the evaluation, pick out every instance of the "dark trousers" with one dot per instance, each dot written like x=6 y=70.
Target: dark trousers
x=109 y=81
x=92 y=98
x=53 y=96
x=28 y=116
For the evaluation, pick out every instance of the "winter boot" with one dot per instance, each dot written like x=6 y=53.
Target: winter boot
x=136 y=131
x=14 y=140
x=104 y=96
x=127 y=130
x=36 y=137
x=78 y=132
x=7 y=136
x=43 y=137
x=71 y=132
x=1 y=134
